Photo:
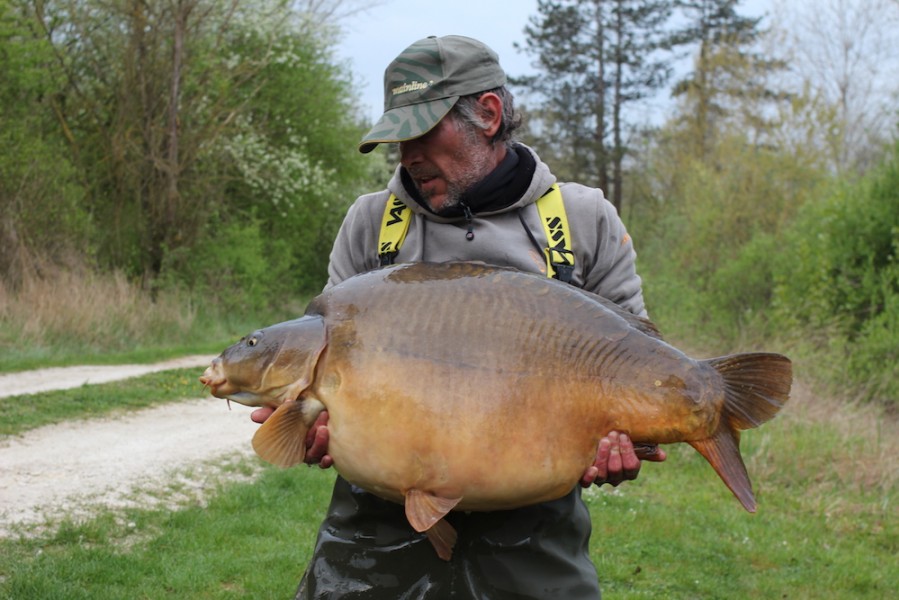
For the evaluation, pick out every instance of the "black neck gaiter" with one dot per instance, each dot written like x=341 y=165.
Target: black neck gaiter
x=502 y=187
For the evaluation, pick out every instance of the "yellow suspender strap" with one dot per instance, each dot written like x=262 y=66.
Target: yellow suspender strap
x=559 y=256
x=394 y=225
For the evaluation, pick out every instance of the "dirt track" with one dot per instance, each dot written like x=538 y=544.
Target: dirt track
x=67 y=469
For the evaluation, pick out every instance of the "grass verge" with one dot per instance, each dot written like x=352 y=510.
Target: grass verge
x=22 y=413
x=249 y=541
x=84 y=317
x=827 y=527
x=676 y=534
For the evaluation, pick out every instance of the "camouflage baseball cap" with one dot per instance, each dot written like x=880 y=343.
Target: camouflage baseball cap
x=424 y=82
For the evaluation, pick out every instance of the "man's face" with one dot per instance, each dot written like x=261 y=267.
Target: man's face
x=447 y=161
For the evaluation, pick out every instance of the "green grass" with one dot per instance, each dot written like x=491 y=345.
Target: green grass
x=675 y=533
x=251 y=541
x=827 y=526
x=680 y=534
x=21 y=413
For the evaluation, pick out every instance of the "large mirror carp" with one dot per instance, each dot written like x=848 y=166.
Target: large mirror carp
x=436 y=377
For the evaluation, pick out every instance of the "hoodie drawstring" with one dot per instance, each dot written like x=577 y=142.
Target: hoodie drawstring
x=469 y=218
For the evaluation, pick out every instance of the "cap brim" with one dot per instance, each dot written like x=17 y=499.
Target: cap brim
x=406 y=122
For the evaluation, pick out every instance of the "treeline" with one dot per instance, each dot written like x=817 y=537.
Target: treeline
x=196 y=144
x=204 y=152
x=765 y=205
x=767 y=253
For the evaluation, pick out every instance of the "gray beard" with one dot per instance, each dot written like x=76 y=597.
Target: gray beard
x=453 y=198
x=479 y=156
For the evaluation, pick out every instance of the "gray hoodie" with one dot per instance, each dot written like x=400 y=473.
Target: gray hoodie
x=604 y=252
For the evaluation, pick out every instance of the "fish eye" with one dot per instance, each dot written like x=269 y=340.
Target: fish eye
x=252 y=341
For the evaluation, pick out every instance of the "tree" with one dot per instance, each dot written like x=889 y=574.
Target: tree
x=718 y=184
x=135 y=123
x=594 y=58
x=844 y=53
x=42 y=222
x=638 y=69
x=571 y=86
x=724 y=67
x=187 y=115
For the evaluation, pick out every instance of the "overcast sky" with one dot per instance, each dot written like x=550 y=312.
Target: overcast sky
x=375 y=37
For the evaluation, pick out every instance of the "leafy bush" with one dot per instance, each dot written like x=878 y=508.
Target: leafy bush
x=839 y=278
x=755 y=251
x=42 y=220
x=237 y=267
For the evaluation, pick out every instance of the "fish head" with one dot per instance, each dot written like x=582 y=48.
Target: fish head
x=270 y=366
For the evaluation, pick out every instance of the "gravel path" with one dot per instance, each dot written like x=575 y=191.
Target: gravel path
x=66 y=470
x=61 y=378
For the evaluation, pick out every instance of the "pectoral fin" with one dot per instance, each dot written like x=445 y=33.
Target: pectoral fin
x=281 y=440
x=425 y=512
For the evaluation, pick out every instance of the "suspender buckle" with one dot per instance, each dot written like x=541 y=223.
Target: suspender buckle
x=561 y=260
x=387 y=258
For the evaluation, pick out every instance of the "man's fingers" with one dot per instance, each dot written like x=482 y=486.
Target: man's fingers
x=618 y=459
x=598 y=472
x=630 y=464
x=602 y=459
x=589 y=477
x=320 y=421
x=261 y=414
x=614 y=467
x=318 y=447
x=651 y=452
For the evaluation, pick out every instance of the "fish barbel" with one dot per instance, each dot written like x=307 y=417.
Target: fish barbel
x=438 y=376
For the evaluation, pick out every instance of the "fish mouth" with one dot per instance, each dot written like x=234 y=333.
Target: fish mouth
x=220 y=389
x=213 y=379
x=218 y=385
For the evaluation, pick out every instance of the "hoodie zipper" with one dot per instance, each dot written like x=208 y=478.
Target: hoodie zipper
x=469 y=218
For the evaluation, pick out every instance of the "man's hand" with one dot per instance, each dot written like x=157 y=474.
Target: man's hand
x=317 y=442
x=316 y=437
x=616 y=461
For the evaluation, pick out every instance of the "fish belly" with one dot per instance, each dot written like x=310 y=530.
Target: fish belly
x=496 y=444
x=495 y=389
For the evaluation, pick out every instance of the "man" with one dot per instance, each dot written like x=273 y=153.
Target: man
x=472 y=194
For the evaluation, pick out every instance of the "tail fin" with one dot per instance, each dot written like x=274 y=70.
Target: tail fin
x=756 y=386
